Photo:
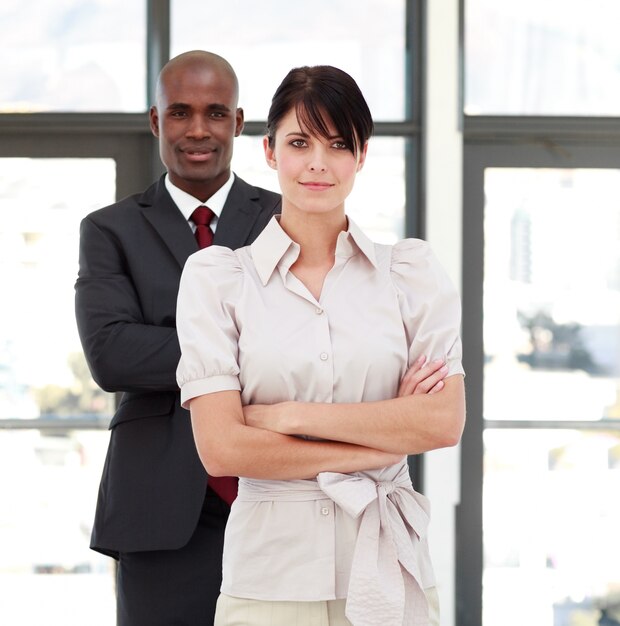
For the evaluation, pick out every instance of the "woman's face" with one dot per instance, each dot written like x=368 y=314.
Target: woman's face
x=315 y=174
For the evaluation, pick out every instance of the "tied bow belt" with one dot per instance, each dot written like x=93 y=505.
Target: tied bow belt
x=391 y=564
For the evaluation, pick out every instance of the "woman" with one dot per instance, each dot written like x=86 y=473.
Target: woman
x=306 y=358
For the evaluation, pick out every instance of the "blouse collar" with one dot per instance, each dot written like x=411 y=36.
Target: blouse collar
x=274 y=247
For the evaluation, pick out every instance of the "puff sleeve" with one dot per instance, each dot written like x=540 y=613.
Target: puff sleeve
x=210 y=286
x=429 y=304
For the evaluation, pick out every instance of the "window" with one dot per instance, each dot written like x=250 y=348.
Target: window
x=541 y=327
x=51 y=412
x=542 y=58
x=552 y=366
x=270 y=39
x=80 y=68
x=41 y=203
x=74 y=55
x=273 y=36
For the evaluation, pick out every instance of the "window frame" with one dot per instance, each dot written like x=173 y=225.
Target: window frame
x=126 y=137
x=505 y=141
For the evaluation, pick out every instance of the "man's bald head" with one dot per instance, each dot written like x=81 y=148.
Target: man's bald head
x=195 y=60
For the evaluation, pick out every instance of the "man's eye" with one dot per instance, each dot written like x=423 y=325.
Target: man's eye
x=217 y=114
x=177 y=113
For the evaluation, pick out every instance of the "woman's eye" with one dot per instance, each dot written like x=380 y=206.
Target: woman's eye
x=340 y=145
x=298 y=143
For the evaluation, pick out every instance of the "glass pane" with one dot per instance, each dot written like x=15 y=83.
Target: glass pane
x=379 y=209
x=264 y=40
x=47 y=572
x=552 y=294
x=42 y=368
x=551 y=520
x=542 y=58
x=48 y=575
x=72 y=55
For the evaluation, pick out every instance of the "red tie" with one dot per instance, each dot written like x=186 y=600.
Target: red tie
x=224 y=486
x=202 y=217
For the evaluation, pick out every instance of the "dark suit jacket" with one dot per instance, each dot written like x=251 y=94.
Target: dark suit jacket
x=131 y=257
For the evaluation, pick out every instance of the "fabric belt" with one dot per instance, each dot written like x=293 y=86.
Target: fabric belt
x=391 y=566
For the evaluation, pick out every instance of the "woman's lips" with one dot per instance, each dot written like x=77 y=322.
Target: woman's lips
x=316 y=186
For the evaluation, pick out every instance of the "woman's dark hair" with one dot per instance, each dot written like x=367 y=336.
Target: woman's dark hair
x=320 y=94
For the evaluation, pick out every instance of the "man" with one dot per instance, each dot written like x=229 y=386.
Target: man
x=155 y=513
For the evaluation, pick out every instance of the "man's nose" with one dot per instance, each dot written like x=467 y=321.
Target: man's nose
x=199 y=127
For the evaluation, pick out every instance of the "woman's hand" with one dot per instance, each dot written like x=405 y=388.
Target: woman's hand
x=266 y=416
x=423 y=377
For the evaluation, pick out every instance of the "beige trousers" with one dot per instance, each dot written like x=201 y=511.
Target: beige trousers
x=241 y=612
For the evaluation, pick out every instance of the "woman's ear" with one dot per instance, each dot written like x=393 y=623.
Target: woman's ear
x=269 y=154
x=362 y=157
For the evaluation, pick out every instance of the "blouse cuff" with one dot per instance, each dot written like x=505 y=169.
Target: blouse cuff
x=455 y=366
x=200 y=387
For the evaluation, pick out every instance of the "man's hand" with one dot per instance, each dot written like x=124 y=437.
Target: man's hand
x=423 y=377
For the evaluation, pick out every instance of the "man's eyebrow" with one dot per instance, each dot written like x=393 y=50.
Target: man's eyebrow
x=218 y=107
x=212 y=107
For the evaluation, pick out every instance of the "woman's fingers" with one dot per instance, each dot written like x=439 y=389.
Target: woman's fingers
x=438 y=387
x=423 y=377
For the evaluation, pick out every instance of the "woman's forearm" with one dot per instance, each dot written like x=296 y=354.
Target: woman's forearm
x=406 y=425
x=229 y=447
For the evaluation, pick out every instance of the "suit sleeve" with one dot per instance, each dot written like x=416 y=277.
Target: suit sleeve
x=123 y=352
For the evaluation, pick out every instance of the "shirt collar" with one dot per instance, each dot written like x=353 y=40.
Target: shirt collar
x=187 y=203
x=274 y=247
x=353 y=240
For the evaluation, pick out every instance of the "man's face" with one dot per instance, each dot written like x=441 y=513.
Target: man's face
x=196 y=120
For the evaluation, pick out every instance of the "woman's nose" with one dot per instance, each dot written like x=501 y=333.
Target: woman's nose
x=317 y=161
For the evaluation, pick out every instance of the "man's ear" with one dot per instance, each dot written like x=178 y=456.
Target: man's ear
x=154 y=120
x=362 y=157
x=270 y=156
x=239 y=120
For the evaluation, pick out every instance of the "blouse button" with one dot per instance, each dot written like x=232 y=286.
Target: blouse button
x=324 y=511
x=318 y=310
x=324 y=356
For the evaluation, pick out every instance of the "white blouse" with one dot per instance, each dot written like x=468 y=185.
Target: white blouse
x=245 y=322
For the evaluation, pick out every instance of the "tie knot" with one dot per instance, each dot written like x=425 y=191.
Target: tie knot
x=202 y=216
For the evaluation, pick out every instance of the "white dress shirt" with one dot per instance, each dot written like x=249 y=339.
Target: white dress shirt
x=188 y=203
x=245 y=322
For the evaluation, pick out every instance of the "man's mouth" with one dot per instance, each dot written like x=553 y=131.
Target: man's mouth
x=197 y=154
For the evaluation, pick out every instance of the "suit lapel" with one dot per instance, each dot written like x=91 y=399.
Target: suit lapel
x=164 y=216
x=239 y=214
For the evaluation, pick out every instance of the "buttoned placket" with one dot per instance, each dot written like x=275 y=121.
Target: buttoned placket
x=323 y=355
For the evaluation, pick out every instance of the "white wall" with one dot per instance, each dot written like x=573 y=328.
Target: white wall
x=443 y=148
